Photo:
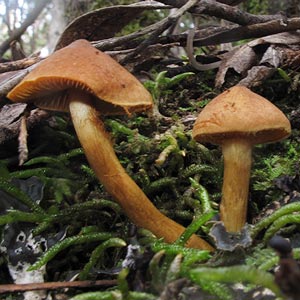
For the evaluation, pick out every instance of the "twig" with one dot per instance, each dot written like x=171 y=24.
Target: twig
x=208 y=7
x=204 y=37
x=22 y=139
x=231 y=2
x=112 y=43
x=237 y=33
x=19 y=64
x=15 y=288
x=164 y=24
x=232 y=14
x=233 y=33
x=224 y=11
x=129 y=41
x=12 y=81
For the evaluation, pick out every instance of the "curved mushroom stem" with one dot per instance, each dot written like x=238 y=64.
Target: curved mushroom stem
x=102 y=158
x=237 y=165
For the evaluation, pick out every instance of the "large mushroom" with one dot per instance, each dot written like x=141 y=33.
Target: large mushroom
x=86 y=82
x=238 y=119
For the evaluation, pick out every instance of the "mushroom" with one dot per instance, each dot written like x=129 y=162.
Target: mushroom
x=238 y=119
x=86 y=82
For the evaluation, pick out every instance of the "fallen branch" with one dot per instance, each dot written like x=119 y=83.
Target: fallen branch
x=19 y=64
x=131 y=47
x=238 y=33
x=15 y=288
x=224 y=11
x=178 y=3
x=14 y=79
x=164 y=24
x=205 y=37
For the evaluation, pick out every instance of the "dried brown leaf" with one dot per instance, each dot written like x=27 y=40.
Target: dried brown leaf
x=272 y=57
x=10 y=120
x=254 y=62
x=10 y=116
x=256 y=75
x=240 y=60
x=284 y=38
x=10 y=79
x=103 y=23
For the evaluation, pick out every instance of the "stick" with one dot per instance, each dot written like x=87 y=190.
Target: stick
x=19 y=64
x=164 y=24
x=15 y=288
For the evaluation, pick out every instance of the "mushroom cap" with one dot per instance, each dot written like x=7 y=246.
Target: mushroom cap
x=81 y=66
x=240 y=113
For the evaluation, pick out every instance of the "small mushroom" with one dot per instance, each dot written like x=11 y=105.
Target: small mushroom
x=238 y=119
x=86 y=82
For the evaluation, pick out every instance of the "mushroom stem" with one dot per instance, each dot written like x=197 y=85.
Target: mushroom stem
x=237 y=165
x=102 y=158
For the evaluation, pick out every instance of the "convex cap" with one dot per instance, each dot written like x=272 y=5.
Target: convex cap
x=238 y=113
x=81 y=66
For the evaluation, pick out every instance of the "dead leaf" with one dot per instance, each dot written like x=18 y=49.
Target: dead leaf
x=256 y=75
x=284 y=38
x=103 y=23
x=272 y=57
x=10 y=79
x=258 y=59
x=10 y=120
x=240 y=60
x=4 y=78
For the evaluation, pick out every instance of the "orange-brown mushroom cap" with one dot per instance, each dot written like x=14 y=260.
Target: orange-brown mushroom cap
x=81 y=66
x=237 y=113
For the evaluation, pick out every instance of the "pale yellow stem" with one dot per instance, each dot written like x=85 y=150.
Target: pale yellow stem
x=237 y=165
x=101 y=156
